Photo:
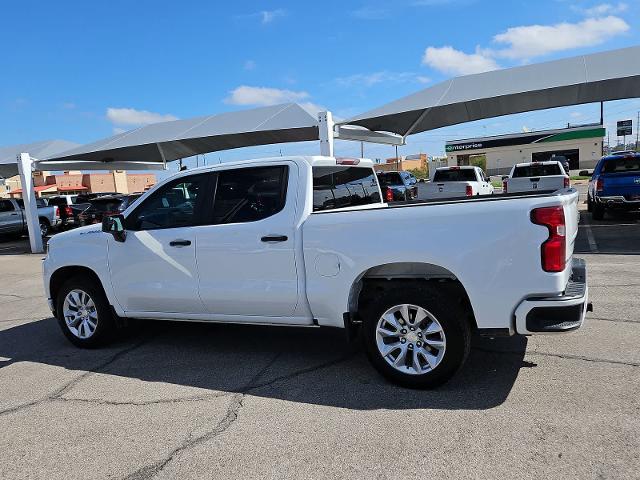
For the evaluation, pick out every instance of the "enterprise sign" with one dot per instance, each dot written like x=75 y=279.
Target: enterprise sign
x=462 y=146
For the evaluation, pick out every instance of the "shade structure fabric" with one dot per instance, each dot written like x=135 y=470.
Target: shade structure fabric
x=42 y=149
x=604 y=76
x=176 y=139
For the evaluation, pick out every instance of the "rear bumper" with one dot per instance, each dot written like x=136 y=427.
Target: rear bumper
x=618 y=201
x=559 y=314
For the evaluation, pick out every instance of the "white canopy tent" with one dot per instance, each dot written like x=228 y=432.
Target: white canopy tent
x=598 y=77
x=43 y=149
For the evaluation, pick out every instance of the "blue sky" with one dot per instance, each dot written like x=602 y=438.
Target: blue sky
x=81 y=70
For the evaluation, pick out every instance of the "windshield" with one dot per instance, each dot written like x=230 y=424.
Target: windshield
x=537 y=170
x=391 y=178
x=619 y=165
x=457 y=175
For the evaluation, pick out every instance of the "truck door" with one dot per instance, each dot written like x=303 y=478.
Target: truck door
x=154 y=269
x=246 y=255
x=10 y=217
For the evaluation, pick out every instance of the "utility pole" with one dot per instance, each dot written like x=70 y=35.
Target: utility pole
x=397 y=160
x=361 y=149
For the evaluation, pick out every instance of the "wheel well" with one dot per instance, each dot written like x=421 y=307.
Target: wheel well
x=65 y=273
x=400 y=275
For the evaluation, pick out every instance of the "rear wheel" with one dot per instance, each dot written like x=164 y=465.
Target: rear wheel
x=597 y=211
x=44 y=227
x=589 y=204
x=416 y=337
x=83 y=312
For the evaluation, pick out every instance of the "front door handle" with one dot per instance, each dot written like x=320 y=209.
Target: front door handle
x=180 y=243
x=275 y=238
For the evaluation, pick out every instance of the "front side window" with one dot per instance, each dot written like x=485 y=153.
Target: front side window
x=340 y=186
x=249 y=194
x=176 y=204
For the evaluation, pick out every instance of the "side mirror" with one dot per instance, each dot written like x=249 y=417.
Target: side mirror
x=114 y=224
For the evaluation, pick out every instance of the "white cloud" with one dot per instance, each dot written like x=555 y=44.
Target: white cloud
x=602 y=9
x=370 y=79
x=530 y=41
x=268 y=16
x=249 y=65
x=263 y=96
x=131 y=116
x=449 y=60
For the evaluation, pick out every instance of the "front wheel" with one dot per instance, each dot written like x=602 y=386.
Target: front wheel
x=83 y=312
x=416 y=337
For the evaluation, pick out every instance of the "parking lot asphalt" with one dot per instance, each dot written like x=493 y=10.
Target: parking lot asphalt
x=221 y=401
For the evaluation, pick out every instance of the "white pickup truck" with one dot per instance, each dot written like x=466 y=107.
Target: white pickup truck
x=536 y=176
x=308 y=241
x=452 y=182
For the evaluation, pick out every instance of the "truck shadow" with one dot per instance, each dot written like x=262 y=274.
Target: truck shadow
x=314 y=366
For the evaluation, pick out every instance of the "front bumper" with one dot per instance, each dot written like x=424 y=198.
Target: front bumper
x=559 y=314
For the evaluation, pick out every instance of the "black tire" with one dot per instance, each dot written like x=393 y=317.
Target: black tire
x=446 y=307
x=589 y=204
x=45 y=228
x=105 y=325
x=597 y=211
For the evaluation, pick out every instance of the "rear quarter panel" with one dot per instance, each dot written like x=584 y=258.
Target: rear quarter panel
x=491 y=246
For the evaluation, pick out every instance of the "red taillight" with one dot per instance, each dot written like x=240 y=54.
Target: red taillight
x=554 y=249
x=504 y=186
x=469 y=191
x=566 y=182
x=389 y=195
x=67 y=211
x=599 y=185
x=56 y=212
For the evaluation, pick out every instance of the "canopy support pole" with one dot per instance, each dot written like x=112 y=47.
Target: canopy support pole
x=325 y=126
x=25 y=168
x=164 y=160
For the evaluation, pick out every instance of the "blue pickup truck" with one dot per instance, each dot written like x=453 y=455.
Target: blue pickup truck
x=615 y=184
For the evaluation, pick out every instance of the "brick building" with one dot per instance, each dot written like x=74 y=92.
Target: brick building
x=47 y=184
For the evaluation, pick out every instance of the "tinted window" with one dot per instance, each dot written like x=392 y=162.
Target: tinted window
x=106 y=205
x=249 y=194
x=391 y=178
x=617 y=165
x=458 y=175
x=176 y=204
x=39 y=203
x=336 y=187
x=540 y=170
x=6 y=206
x=58 y=201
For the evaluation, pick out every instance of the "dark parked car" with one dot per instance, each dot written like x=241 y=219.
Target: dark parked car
x=398 y=186
x=106 y=205
x=615 y=184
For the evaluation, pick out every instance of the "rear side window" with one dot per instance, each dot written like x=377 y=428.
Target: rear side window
x=461 y=175
x=6 y=206
x=618 y=165
x=341 y=186
x=391 y=178
x=541 y=170
x=249 y=194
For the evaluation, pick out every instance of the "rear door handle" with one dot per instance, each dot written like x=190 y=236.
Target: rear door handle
x=180 y=243
x=274 y=238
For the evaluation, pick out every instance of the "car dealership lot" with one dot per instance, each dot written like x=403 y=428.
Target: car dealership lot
x=221 y=401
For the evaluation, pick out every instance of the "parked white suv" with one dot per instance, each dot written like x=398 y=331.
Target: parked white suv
x=308 y=241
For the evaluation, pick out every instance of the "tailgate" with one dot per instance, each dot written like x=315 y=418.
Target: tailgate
x=623 y=184
x=571 y=218
x=527 y=184
x=447 y=189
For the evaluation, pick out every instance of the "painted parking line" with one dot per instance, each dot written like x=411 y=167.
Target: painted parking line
x=591 y=239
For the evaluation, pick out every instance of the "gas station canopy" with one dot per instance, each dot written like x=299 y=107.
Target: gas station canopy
x=156 y=144
x=599 y=77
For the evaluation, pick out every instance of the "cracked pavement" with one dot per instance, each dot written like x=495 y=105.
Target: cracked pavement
x=228 y=401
